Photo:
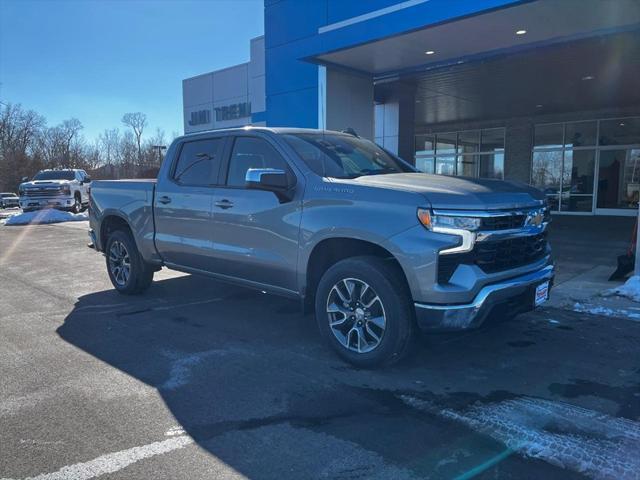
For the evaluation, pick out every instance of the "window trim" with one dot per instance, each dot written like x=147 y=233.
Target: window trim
x=231 y=143
x=215 y=176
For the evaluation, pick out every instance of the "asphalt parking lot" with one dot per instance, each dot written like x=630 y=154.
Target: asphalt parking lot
x=197 y=379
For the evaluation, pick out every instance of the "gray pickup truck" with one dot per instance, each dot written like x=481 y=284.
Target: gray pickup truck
x=376 y=248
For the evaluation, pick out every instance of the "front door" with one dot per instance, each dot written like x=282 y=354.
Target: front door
x=183 y=205
x=256 y=234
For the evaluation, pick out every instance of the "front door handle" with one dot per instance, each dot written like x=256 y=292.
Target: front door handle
x=224 y=204
x=164 y=199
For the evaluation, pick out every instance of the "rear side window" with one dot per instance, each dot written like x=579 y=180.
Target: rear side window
x=198 y=163
x=250 y=152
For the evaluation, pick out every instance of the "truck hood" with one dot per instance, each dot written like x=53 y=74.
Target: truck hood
x=458 y=193
x=45 y=183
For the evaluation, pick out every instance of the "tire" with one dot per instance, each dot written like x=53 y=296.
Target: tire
x=77 y=204
x=121 y=252
x=366 y=332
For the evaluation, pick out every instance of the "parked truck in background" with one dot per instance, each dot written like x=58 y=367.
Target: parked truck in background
x=8 y=200
x=376 y=248
x=65 y=189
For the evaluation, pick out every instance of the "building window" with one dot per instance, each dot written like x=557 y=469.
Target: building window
x=471 y=153
x=588 y=164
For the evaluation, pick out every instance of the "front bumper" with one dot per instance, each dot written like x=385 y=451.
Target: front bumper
x=515 y=295
x=63 y=202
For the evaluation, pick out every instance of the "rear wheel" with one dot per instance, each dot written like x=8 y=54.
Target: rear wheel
x=363 y=309
x=128 y=272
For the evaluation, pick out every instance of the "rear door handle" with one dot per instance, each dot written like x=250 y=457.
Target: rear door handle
x=224 y=204
x=164 y=199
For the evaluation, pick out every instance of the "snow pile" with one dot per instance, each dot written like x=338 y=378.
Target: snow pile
x=631 y=289
x=605 y=311
x=6 y=214
x=45 y=216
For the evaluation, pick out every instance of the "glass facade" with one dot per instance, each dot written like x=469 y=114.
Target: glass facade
x=588 y=166
x=471 y=153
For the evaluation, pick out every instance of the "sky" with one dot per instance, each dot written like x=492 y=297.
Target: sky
x=98 y=59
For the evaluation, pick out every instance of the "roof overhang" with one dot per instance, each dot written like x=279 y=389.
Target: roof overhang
x=482 y=36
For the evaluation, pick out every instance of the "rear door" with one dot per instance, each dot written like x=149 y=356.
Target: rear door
x=183 y=204
x=256 y=233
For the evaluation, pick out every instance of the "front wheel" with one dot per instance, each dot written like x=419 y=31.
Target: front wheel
x=128 y=272
x=363 y=309
x=77 y=205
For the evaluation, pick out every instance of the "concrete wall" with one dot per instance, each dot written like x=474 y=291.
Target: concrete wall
x=348 y=102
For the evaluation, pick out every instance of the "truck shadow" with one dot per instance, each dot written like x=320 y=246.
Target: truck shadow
x=249 y=379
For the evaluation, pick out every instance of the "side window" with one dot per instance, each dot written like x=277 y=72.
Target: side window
x=251 y=152
x=198 y=162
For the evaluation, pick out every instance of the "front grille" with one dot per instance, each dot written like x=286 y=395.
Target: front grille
x=42 y=192
x=495 y=256
x=503 y=222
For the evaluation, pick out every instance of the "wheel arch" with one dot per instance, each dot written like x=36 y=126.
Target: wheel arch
x=331 y=250
x=111 y=223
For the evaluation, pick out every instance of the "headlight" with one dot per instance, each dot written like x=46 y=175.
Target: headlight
x=66 y=190
x=21 y=190
x=447 y=222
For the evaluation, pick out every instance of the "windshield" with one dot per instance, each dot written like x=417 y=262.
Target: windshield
x=344 y=156
x=55 y=175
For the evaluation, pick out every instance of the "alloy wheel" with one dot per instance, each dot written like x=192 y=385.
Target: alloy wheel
x=356 y=315
x=119 y=263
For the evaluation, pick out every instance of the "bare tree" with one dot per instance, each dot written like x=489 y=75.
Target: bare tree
x=109 y=142
x=19 y=131
x=137 y=121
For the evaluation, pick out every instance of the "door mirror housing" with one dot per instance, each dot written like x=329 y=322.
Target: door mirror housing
x=269 y=179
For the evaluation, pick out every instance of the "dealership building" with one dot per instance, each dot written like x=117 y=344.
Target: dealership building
x=542 y=91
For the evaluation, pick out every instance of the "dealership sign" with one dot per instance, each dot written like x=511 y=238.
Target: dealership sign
x=200 y=117
x=233 y=111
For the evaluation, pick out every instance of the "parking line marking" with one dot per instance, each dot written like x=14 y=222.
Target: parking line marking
x=113 y=462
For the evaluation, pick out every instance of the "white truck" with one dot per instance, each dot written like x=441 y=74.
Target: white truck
x=66 y=189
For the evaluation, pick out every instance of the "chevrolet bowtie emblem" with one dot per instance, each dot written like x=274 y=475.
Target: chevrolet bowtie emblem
x=535 y=219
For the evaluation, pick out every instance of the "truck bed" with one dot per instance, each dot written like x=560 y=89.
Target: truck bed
x=132 y=201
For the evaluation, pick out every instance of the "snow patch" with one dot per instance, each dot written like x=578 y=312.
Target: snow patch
x=631 y=289
x=605 y=311
x=570 y=437
x=49 y=215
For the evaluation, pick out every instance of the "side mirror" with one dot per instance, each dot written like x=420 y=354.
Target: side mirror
x=269 y=179
x=25 y=179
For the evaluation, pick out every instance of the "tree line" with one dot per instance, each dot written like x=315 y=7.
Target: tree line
x=28 y=145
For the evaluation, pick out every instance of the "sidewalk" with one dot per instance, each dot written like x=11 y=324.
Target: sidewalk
x=585 y=251
x=589 y=292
